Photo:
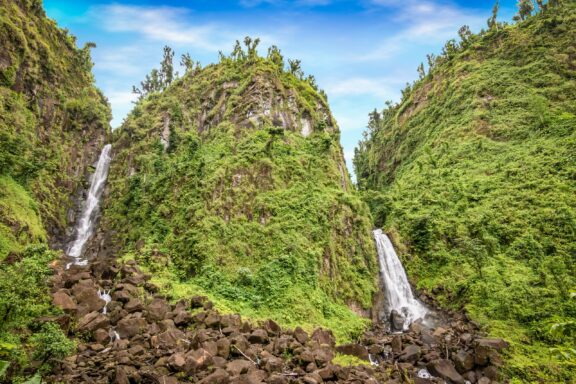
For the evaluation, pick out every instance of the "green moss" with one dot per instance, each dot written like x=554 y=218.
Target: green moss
x=348 y=361
x=474 y=173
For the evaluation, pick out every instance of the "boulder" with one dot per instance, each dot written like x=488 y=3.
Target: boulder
x=396 y=321
x=157 y=310
x=493 y=343
x=130 y=326
x=463 y=361
x=63 y=300
x=177 y=362
x=300 y=335
x=259 y=336
x=92 y=321
x=238 y=367
x=219 y=376
x=134 y=305
x=396 y=344
x=197 y=359
x=353 y=349
x=168 y=339
x=444 y=369
x=410 y=354
x=323 y=337
x=223 y=348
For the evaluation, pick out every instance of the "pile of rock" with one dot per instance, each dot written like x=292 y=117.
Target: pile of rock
x=143 y=338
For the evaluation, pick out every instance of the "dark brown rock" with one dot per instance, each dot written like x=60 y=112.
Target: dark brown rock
x=410 y=354
x=219 y=376
x=197 y=360
x=300 y=335
x=323 y=337
x=444 y=369
x=463 y=361
x=92 y=322
x=259 y=336
x=130 y=326
x=396 y=344
x=134 y=305
x=353 y=349
x=63 y=300
x=237 y=367
x=157 y=310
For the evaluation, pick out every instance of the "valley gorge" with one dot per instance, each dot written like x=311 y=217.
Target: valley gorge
x=216 y=236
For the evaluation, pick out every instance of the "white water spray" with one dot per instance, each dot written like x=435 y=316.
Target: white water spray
x=105 y=295
x=399 y=295
x=85 y=227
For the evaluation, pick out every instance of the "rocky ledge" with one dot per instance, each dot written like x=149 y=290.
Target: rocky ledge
x=131 y=334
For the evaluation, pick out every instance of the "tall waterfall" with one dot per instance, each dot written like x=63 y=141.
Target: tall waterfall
x=85 y=227
x=397 y=289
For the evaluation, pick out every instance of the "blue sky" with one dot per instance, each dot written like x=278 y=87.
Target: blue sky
x=362 y=53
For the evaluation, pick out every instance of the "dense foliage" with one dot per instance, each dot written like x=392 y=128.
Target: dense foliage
x=474 y=172
x=51 y=116
x=232 y=182
x=23 y=334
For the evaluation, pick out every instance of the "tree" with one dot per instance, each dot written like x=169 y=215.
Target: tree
x=158 y=80
x=465 y=35
x=421 y=71
x=492 y=23
x=295 y=68
x=525 y=9
x=275 y=56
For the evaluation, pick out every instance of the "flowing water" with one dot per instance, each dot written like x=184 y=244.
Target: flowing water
x=397 y=289
x=85 y=227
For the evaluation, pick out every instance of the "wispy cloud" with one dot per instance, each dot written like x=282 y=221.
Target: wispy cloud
x=384 y=88
x=170 y=25
x=421 y=22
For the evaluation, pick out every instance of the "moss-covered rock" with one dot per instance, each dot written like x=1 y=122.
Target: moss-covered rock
x=232 y=182
x=474 y=172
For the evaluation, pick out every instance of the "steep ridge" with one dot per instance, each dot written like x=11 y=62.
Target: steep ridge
x=53 y=122
x=473 y=175
x=232 y=183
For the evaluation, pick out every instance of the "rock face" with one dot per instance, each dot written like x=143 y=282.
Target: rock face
x=54 y=122
x=147 y=344
x=248 y=168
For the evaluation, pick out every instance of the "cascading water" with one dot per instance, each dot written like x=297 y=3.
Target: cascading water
x=397 y=289
x=85 y=227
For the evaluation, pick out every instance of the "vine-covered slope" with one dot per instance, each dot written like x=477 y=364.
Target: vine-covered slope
x=52 y=124
x=474 y=171
x=232 y=182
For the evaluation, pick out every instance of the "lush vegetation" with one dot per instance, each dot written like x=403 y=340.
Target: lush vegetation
x=474 y=173
x=231 y=182
x=27 y=328
x=49 y=111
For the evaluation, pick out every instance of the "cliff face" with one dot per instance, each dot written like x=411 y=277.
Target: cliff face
x=473 y=172
x=233 y=181
x=53 y=122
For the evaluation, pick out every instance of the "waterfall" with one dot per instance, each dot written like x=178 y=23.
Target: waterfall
x=85 y=227
x=397 y=289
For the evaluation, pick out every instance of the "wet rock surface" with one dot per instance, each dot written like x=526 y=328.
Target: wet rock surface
x=144 y=338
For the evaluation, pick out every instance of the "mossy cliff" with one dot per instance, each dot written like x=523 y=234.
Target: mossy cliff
x=473 y=171
x=53 y=122
x=232 y=183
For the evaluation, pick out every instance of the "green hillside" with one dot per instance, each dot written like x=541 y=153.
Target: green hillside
x=232 y=183
x=474 y=171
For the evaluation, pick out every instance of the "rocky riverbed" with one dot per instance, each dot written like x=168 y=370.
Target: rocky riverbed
x=145 y=338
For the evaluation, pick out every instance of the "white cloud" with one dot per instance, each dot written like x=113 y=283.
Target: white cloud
x=170 y=25
x=384 y=88
x=427 y=23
